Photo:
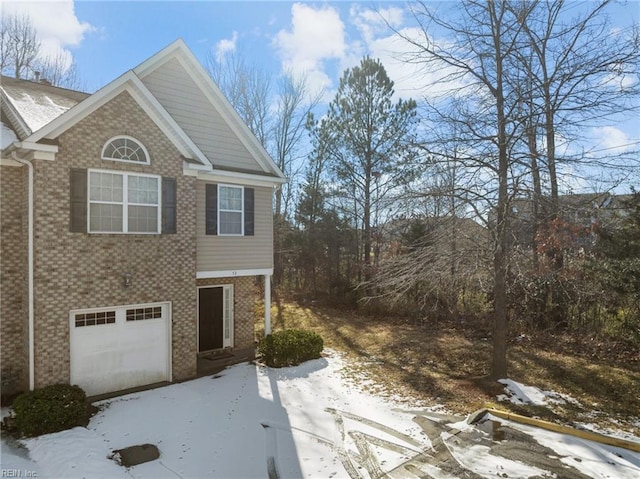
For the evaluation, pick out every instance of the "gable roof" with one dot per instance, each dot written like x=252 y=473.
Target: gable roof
x=130 y=83
x=59 y=109
x=178 y=62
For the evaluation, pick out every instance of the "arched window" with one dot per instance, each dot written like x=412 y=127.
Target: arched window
x=125 y=148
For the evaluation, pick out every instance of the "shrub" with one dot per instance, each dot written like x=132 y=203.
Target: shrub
x=50 y=409
x=290 y=347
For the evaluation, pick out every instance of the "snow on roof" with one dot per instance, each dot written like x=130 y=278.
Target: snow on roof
x=39 y=104
x=7 y=136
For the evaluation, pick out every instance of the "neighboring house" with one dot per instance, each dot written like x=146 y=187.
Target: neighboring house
x=589 y=211
x=447 y=236
x=134 y=223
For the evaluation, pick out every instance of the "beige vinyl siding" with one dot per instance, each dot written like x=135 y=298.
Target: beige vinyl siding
x=190 y=108
x=223 y=253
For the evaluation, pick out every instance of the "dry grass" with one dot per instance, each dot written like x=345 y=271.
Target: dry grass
x=448 y=364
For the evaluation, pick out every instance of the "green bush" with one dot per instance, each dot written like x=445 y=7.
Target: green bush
x=50 y=409
x=290 y=347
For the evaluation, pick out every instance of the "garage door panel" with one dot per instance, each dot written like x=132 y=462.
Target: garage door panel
x=123 y=354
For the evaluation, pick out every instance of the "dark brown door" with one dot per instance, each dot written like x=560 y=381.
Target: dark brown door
x=210 y=320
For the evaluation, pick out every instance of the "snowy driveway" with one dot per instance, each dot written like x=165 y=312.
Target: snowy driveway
x=309 y=421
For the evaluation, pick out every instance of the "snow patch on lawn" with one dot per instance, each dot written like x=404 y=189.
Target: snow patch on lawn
x=519 y=393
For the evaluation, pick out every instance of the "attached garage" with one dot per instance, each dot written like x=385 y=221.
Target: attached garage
x=120 y=347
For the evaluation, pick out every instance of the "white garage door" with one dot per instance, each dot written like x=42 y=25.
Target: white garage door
x=120 y=347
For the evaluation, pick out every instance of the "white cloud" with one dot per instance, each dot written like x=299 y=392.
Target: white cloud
x=612 y=140
x=320 y=45
x=375 y=22
x=56 y=24
x=226 y=45
x=317 y=35
x=384 y=38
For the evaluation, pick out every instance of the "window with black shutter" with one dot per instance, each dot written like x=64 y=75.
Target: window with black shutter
x=78 y=199
x=169 y=205
x=229 y=210
x=110 y=201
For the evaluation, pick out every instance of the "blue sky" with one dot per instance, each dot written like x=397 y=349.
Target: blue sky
x=321 y=39
x=126 y=33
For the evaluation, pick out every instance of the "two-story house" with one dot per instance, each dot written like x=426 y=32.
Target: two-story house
x=134 y=222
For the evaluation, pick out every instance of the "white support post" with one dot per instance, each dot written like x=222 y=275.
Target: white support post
x=267 y=304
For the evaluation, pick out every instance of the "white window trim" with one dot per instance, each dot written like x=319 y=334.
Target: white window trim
x=125 y=210
x=126 y=137
x=241 y=188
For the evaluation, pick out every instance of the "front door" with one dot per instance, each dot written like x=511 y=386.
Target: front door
x=214 y=318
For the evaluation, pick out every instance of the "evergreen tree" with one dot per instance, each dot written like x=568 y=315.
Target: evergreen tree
x=367 y=140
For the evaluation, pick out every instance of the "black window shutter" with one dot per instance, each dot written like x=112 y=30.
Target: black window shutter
x=249 y=202
x=169 y=205
x=78 y=200
x=211 y=209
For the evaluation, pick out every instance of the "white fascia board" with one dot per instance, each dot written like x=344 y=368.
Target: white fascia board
x=6 y=161
x=29 y=145
x=41 y=155
x=248 y=179
x=32 y=151
x=154 y=61
x=233 y=273
x=13 y=115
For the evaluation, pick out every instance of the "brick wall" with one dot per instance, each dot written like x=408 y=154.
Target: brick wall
x=14 y=361
x=79 y=270
x=244 y=297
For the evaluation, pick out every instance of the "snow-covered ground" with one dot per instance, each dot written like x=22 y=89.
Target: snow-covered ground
x=308 y=421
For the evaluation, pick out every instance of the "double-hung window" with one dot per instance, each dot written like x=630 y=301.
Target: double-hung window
x=124 y=202
x=230 y=206
x=229 y=210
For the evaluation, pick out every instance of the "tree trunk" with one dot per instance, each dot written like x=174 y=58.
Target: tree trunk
x=499 y=362
x=366 y=219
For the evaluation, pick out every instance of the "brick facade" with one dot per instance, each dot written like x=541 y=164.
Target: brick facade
x=13 y=279
x=75 y=271
x=244 y=302
x=80 y=270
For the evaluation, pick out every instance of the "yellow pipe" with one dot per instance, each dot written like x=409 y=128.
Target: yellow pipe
x=588 y=435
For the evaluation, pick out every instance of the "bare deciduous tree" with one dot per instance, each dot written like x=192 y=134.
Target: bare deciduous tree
x=277 y=119
x=577 y=73
x=19 y=44
x=476 y=61
x=23 y=57
x=56 y=70
x=293 y=105
x=247 y=88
